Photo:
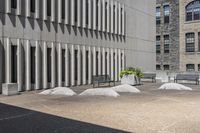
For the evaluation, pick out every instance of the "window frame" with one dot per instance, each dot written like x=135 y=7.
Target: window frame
x=190 y=42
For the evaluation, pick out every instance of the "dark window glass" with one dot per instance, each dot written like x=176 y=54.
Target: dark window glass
x=158 y=67
x=190 y=67
x=193 y=10
x=14 y=64
x=14 y=4
x=87 y=11
x=97 y=12
x=158 y=16
x=166 y=67
x=190 y=42
x=114 y=17
x=76 y=12
x=199 y=41
x=157 y=44
x=33 y=65
x=198 y=67
x=32 y=6
x=48 y=7
x=106 y=9
x=63 y=9
x=166 y=43
x=166 y=13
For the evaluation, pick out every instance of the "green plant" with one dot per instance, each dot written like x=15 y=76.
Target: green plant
x=132 y=71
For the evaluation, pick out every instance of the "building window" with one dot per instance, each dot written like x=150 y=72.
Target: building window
x=63 y=9
x=14 y=4
x=158 y=44
x=158 y=16
x=199 y=41
x=158 y=67
x=48 y=7
x=76 y=12
x=166 y=13
x=198 y=67
x=166 y=67
x=33 y=6
x=166 y=43
x=87 y=11
x=97 y=12
x=106 y=9
x=193 y=10
x=114 y=17
x=190 y=42
x=190 y=67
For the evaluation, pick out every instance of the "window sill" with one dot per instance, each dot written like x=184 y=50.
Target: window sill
x=193 y=21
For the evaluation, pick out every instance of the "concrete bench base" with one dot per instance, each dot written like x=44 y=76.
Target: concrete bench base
x=10 y=89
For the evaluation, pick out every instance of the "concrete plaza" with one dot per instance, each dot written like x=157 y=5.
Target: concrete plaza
x=152 y=111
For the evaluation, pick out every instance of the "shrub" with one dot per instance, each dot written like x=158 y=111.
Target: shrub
x=132 y=71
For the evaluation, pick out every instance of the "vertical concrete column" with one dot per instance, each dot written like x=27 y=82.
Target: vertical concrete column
x=28 y=65
x=45 y=81
x=112 y=64
x=19 y=65
x=94 y=61
x=99 y=16
x=8 y=6
x=72 y=66
x=116 y=17
x=53 y=64
x=44 y=9
x=90 y=14
x=84 y=65
x=8 y=60
x=108 y=15
x=53 y=10
x=59 y=65
x=67 y=65
x=72 y=13
x=112 y=16
x=103 y=61
x=60 y=11
x=99 y=61
x=116 y=65
x=89 y=65
x=123 y=19
x=119 y=18
x=37 y=72
x=123 y=60
x=119 y=62
x=108 y=61
x=103 y=15
x=67 y=16
x=37 y=9
x=79 y=66
x=84 y=13
x=19 y=7
x=79 y=13
x=94 y=14
x=28 y=11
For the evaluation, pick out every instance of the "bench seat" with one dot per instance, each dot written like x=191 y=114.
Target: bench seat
x=102 y=79
x=187 y=77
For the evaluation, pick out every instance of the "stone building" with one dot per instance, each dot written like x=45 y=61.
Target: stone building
x=167 y=35
x=50 y=43
x=190 y=35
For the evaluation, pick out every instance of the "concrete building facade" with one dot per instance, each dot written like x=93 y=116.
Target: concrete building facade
x=50 y=43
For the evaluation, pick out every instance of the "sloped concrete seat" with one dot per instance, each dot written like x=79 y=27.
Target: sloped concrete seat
x=10 y=89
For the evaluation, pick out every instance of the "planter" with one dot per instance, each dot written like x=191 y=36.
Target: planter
x=9 y=89
x=130 y=80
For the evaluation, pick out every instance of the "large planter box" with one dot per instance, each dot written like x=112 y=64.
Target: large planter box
x=10 y=89
x=130 y=80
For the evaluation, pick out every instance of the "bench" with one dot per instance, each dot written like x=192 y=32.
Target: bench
x=151 y=76
x=187 y=77
x=102 y=79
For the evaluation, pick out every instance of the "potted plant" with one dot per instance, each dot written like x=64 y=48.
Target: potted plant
x=131 y=76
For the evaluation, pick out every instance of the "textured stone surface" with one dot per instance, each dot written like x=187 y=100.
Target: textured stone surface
x=10 y=89
x=171 y=29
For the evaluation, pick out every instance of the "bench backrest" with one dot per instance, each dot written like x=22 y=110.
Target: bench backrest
x=187 y=76
x=149 y=75
x=101 y=78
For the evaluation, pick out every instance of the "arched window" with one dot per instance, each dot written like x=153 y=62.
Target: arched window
x=193 y=11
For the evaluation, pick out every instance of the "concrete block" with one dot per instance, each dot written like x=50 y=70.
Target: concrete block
x=9 y=89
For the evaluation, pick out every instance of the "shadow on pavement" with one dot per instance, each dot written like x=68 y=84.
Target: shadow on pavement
x=19 y=120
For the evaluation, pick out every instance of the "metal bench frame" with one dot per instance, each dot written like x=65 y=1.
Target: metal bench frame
x=102 y=79
x=187 y=77
x=151 y=76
